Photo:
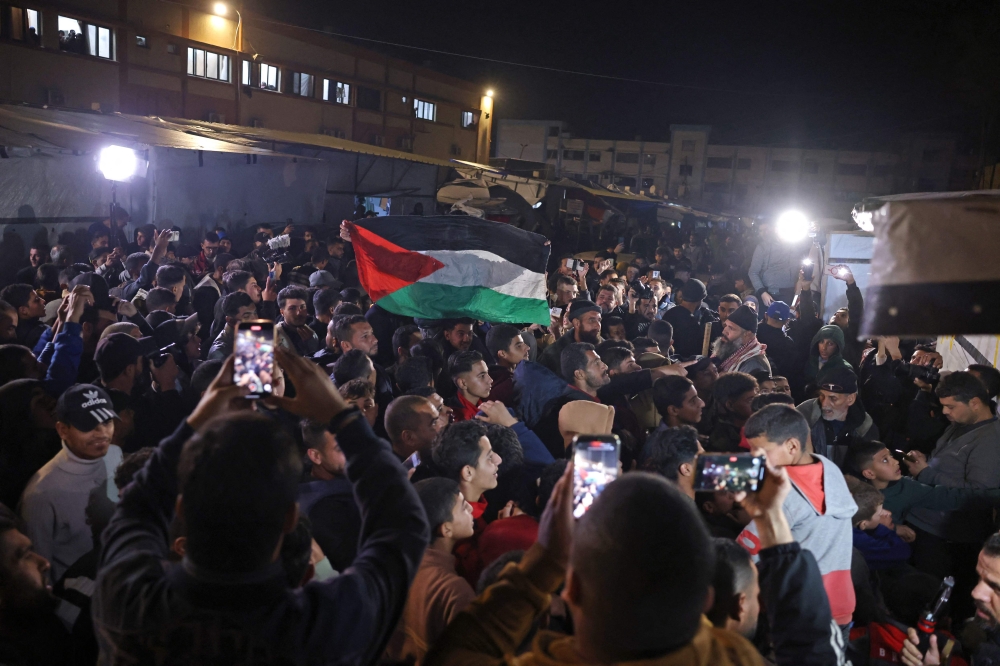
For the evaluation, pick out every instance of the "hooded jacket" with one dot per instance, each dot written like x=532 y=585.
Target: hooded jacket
x=829 y=332
x=827 y=534
x=858 y=427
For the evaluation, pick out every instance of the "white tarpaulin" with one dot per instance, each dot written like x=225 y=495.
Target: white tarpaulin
x=961 y=351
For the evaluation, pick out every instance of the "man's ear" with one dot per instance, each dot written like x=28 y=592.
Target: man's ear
x=445 y=530
x=738 y=606
x=868 y=474
x=686 y=469
x=709 y=599
x=579 y=375
x=314 y=456
x=851 y=399
x=461 y=384
x=62 y=429
x=468 y=473
x=708 y=507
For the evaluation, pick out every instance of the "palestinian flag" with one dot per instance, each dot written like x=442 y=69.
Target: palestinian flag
x=454 y=266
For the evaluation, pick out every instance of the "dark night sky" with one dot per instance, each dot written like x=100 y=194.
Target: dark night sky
x=838 y=74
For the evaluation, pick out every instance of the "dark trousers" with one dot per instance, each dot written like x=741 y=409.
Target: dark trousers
x=939 y=558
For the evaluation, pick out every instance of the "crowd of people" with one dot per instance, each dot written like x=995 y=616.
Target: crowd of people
x=402 y=491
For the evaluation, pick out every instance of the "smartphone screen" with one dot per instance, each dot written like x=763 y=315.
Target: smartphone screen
x=656 y=274
x=174 y=236
x=729 y=471
x=555 y=312
x=254 y=362
x=595 y=465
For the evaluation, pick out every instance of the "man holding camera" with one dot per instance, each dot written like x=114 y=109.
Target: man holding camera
x=641 y=310
x=966 y=456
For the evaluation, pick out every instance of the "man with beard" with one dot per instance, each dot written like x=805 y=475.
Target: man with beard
x=606 y=298
x=584 y=369
x=642 y=310
x=32 y=629
x=293 y=331
x=586 y=320
x=836 y=419
x=738 y=349
x=986 y=597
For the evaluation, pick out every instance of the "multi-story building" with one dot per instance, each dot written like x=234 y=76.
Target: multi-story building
x=204 y=61
x=746 y=180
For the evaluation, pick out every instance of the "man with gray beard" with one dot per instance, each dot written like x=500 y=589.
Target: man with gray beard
x=737 y=349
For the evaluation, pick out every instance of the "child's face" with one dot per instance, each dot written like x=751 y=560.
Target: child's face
x=884 y=467
x=874 y=521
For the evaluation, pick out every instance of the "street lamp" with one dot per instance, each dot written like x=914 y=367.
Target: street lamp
x=117 y=163
x=220 y=9
x=489 y=93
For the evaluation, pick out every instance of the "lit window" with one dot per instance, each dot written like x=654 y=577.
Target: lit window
x=336 y=91
x=303 y=84
x=468 y=118
x=85 y=38
x=270 y=77
x=208 y=65
x=24 y=25
x=425 y=110
x=246 y=73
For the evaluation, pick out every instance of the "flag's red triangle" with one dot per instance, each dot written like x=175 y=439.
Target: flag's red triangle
x=384 y=267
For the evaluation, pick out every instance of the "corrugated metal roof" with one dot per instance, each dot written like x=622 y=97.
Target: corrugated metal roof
x=55 y=131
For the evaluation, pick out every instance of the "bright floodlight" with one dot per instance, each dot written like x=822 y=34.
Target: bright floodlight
x=117 y=163
x=489 y=93
x=220 y=8
x=792 y=226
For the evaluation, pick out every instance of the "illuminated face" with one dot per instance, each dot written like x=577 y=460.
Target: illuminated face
x=25 y=572
x=835 y=405
x=626 y=366
x=363 y=338
x=460 y=337
x=884 y=467
x=566 y=293
x=484 y=475
x=253 y=290
x=295 y=312
x=986 y=594
x=87 y=445
x=605 y=300
x=477 y=382
x=732 y=333
x=517 y=351
x=210 y=248
x=588 y=327
x=597 y=374
x=616 y=332
x=741 y=406
x=690 y=409
x=957 y=411
x=36 y=258
x=827 y=348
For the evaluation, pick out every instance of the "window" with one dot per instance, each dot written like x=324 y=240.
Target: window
x=933 y=154
x=686 y=170
x=24 y=25
x=573 y=155
x=784 y=166
x=425 y=110
x=554 y=130
x=740 y=192
x=172 y=49
x=551 y=154
x=852 y=169
x=718 y=188
x=341 y=92
x=810 y=166
x=743 y=163
x=468 y=119
x=245 y=78
x=303 y=85
x=627 y=158
x=270 y=77
x=687 y=145
x=369 y=98
x=882 y=170
x=208 y=65
x=85 y=38
x=595 y=156
x=649 y=159
x=141 y=42
x=719 y=163
x=647 y=183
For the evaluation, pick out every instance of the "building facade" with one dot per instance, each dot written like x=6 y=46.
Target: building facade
x=182 y=60
x=744 y=180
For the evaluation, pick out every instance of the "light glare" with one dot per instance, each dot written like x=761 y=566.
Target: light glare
x=117 y=163
x=489 y=93
x=792 y=226
x=220 y=8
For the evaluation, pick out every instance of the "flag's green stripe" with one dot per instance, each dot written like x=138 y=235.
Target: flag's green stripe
x=442 y=301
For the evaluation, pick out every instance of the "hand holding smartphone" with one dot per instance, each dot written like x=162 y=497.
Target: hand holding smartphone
x=595 y=465
x=254 y=352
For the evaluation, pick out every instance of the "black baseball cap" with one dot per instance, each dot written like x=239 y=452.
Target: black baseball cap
x=85 y=407
x=838 y=379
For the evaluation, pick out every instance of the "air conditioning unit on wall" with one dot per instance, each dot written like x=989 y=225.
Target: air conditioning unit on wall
x=406 y=143
x=334 y=132
x=377 y=140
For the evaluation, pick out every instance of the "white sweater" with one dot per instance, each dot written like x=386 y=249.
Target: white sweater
x=64 y=501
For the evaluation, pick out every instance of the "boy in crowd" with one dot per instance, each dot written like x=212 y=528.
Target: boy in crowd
x=438 y=593
x=875 y=540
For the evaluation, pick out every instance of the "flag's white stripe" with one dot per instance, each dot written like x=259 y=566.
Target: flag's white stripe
x=479 y=268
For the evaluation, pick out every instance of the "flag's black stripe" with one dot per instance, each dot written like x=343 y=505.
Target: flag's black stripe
x=928 y=309
x=420 y=234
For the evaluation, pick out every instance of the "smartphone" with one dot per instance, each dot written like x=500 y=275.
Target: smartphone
x=555 y=312
x=621 y=240
x=412 y=462
x=807 y=269
x=729 y=471
x=174 y=236
x=254 y=363
x=595 y=465
x=656 y=274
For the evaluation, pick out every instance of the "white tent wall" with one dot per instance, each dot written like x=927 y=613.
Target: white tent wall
x=199 y=190
x=854 y=250
x=960 y=351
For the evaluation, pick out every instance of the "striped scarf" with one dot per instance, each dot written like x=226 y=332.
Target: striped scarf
x=752 y=348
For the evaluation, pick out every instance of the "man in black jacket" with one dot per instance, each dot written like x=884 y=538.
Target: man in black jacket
x=689 y=319
x=233 y=479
